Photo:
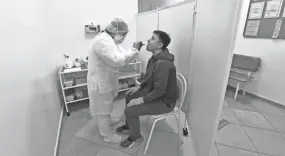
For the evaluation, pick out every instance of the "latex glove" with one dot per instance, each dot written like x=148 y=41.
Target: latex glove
x=135 y=102
x=138 y=45
x=133 y=90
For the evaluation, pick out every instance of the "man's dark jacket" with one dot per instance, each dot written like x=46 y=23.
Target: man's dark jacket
x=160 y=79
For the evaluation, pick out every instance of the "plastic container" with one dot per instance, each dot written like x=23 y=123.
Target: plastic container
x=85 y=93
x=69 y=98
x=79 y=81
x=68 y=82
x=68 y=63
x=77 y=62
x=78 y=93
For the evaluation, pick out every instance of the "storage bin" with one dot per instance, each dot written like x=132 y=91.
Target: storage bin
x=79 y=81
x=68 y=82
x=78 y=93
x=69 y=98
x=85 y=93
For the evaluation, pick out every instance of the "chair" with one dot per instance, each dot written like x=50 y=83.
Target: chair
x=241 y=70
x=182 y=85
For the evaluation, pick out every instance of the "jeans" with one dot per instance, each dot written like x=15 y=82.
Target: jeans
x=133 y=113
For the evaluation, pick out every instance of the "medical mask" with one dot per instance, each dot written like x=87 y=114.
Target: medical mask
x=119 y=39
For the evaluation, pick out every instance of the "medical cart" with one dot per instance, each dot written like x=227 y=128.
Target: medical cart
x=73 y=82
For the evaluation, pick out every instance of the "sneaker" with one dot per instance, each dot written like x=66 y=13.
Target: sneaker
x=123 y=129
x=130 y=142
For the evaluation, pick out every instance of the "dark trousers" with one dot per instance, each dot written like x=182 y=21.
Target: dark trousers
x=133 y=113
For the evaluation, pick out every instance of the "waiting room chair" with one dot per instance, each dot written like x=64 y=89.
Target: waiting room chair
x=182 y=89
x=242 y=68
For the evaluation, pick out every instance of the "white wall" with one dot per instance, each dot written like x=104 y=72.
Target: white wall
x=144 y=32
x=34 y=36
x=270 y=82
x=147 y=5
x=69 y=17
x=211 y=57
x=181 y=34
x=30 y=107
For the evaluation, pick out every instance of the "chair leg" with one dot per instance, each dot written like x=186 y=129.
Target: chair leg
x=180 y=140
x=237 y=89
x=150 y=135
x=178 y=127
x=244 y=89
x=149 y=120
x=177 y=122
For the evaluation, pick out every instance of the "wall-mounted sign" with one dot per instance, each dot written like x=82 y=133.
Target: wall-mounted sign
x=252 y=28
x=256 y=10
x=277 y=28
x=265 y=19
x=273 y=8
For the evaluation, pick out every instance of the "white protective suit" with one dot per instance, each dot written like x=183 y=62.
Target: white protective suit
x=105 y=57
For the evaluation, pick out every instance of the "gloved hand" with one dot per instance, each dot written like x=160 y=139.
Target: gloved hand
x=138 y=45
x=133 y=90
x=134 y=102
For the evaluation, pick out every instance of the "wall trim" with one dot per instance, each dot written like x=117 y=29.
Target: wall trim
x=58 y=132
x=277 y=104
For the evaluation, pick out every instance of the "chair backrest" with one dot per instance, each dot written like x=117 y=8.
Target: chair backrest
x=248 y=63
x=182 y=90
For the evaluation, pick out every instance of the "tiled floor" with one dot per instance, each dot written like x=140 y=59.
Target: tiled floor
x=257 y=128
x=80 y=136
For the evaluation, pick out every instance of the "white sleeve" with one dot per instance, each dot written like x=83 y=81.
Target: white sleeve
x=111 y=54
x=130 y=54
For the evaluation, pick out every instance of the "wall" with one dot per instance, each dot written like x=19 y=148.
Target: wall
x=67 y=26
x=211 y=54
x=34 y=36
x=181 y=34
x=269 y=81
x=30 y=107
x=182 y=31
x=147 y=5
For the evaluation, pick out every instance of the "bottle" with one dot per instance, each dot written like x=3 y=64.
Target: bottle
x=78 y=61
x=67 y=62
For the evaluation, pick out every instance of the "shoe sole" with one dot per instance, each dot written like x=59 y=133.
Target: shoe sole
x=134 y=144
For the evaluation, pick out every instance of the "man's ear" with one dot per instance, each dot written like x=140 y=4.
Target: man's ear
x=160 y=45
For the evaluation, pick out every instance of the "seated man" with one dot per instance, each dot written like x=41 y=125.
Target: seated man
x=157 y=93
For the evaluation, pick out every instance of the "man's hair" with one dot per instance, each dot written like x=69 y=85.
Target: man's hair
x=163 y=37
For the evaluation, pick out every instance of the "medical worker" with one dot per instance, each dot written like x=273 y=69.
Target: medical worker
x=105 y=57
